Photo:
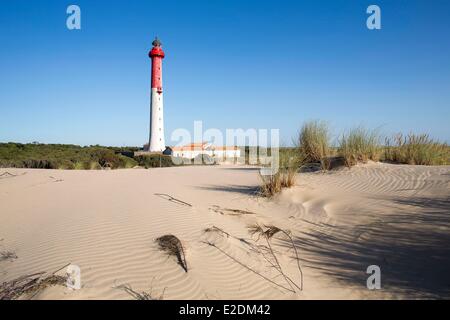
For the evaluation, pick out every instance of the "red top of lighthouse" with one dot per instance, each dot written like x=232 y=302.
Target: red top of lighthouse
x=156 y=51
x=156 y=54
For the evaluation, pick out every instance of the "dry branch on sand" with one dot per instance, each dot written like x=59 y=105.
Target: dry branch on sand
x=175 y=200
x=7 y=255
x=216 y=229
x=143 y=295
x=30 y=285
x=223 y=232
x=266 y=252
x=268 y=232
x=247 y=267
x=173 y=247
x=6 y=174
x=230 y=212
x=56 y=179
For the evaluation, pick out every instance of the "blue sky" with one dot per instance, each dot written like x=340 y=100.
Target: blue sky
x=232 y=64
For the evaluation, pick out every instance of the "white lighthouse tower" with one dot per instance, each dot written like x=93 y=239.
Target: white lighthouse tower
x=156 y=143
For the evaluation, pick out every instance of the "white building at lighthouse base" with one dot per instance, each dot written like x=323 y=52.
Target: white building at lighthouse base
x=219 y=153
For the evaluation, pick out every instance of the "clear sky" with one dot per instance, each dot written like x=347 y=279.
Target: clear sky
x=232 y=64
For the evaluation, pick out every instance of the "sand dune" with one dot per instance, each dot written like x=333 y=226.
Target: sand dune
x=106 y=222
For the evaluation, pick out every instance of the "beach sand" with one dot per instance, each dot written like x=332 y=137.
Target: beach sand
x=106 y=222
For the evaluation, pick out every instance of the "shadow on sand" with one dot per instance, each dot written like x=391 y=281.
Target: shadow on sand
x=251 y=169
x=410 y=243
x=247 y=190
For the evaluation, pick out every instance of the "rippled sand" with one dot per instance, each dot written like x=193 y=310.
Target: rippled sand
x=393 y=216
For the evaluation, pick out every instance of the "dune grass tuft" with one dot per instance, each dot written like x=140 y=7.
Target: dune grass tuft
x=418 y=149
x=359 y=145
x=273 y=184
x=285 y=177
x=290 y=161
x=288 y=178
x=314 y=143
x=140 y=295
x=270 y=184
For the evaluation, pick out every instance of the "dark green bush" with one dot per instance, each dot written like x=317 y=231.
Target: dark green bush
x=417 y=149
x=154 y=160
x=60 y=156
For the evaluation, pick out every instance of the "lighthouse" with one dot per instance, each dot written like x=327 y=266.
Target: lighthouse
x=156 y=143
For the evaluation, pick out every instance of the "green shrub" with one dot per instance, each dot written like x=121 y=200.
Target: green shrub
x=154 y=160
x=39 y=164
x=59 y=156
x=359 y=145
x=128 y=162
x=314 y=143
x=417 y=149
x=82 y=165
x=65 y=165
x=94 y=165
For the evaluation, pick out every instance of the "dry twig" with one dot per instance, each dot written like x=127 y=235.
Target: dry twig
x=268 y=234
x=30 y=285
x=172 y=245
x=143 y=295
x=170 y=198
x=231 y=212
x=6 y=174
x=222 y=232
x=247 y=267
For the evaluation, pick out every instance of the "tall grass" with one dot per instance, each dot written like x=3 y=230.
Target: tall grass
x=314 y=142
x=289 y=164
x=418 y=149
x=288 y=178
x=284 y=177
x=274 y=184
x=270 y=184
x=359 y=145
